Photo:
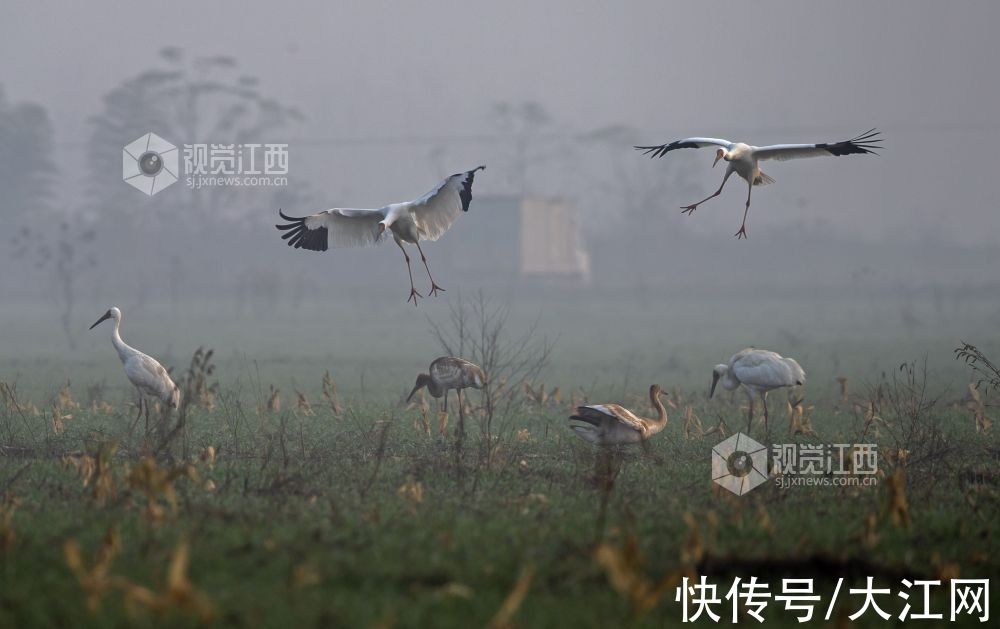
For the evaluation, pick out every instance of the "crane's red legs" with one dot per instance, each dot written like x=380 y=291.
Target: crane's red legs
x=413 y=291
x=434 y=287
x=743 y=231
x=689 y=209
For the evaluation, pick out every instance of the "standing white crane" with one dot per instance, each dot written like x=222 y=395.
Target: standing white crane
x=611 y=424
x=426 y=218
x=148 y=376
x=759 y=371
x=447 y=373
x=743 y=159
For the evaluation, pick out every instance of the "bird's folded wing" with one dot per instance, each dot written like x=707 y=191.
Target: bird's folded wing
x=866 y=143
x=761 y=367
x=339 y=227
x=446 y=369
x=437 y=210
x=687 y=143
x=603 y=412
x=145 y=372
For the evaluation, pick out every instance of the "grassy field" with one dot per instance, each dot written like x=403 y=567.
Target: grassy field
x=357 y=511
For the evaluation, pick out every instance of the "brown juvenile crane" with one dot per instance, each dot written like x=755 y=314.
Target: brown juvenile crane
x=447 y=373
x=611 y=424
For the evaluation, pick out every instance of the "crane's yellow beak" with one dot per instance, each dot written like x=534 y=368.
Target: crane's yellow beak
x=107 y=315
x=718 y=156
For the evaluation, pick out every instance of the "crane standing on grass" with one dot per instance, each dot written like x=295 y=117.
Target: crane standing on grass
x=759 y=371
x=743 y=158
x=447 y=373
x=148 y=376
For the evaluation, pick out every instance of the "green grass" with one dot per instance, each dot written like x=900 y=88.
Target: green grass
x=316 y=496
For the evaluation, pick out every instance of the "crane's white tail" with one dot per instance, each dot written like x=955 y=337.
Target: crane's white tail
x=762 y=179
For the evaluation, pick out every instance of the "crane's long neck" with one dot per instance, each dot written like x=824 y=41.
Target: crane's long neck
x=124 y=351
x=729 y=381
x=661 y=410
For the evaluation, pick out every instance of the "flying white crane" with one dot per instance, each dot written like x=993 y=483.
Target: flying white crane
x=759 y=371
x=611 y=424
x=743 y=159
x=426 y=218
x=148 y=376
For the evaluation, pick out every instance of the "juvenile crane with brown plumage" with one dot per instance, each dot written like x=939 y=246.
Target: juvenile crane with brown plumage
x=447 y=373
x=611 y=424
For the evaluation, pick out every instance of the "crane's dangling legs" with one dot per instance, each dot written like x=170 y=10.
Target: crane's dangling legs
x=750 y=412
x=689 y=209
x=743 y=228
x=434 y=287
x=413 y=291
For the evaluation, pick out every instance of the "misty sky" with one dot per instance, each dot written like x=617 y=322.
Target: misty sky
x=764 y=72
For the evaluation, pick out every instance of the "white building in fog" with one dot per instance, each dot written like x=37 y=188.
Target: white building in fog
x=507 y=237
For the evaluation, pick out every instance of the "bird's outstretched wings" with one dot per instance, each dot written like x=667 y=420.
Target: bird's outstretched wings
x=437 y=210
x=339 y=227
x=687 y=143
x=865 y=143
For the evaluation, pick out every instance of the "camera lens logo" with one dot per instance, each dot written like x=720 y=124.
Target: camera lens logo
x=739 y=464
x=149 y=164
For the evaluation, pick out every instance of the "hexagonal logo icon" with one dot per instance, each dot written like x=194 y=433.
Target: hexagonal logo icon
x=739 y=464
x=150 y=164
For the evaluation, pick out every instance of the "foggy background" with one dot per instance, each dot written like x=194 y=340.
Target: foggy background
x=379 y=100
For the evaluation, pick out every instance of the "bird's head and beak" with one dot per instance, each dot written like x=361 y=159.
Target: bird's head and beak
x=480 y=379
x=107 y=315
x=422 y=381
x=716 y=375
x=719 y=154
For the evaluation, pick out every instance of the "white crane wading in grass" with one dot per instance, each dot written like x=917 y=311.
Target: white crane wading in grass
x=447 y=373
x=426 y=218
x=759 y=371
x=611 y=424
x=148 y=376
x=743 y=159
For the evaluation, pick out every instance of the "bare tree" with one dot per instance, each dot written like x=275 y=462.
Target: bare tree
x=27 y=170
x=982 y=366
x=478 y=329
x=67 y=253
x=201 y=99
